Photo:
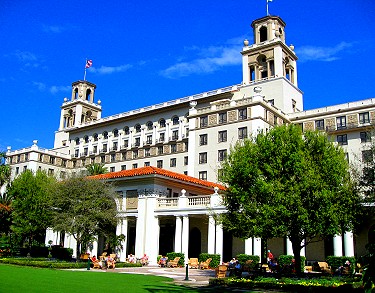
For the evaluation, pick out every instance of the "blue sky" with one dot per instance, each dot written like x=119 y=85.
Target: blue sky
x=146 y=52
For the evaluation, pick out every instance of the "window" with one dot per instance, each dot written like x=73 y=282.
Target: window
x=126 y=130
x=86 y=139
x=95 y=149
x=147 y=164
x=51 y=172
x=114 y=146
x=341 y=122
x=135 y=166
x=113 y=158
x=204 y=121
x=162 y=137
x=137 y=128
x=220 y=174
x=24 y=168
x=104 y=149
x=126 y=143
x=202 y=175
x=76 y=153
x=173 y=162
x=174 y=134
x=115 y=133
x=105 y=135
x=102 y=159
x=364 y=118
x=222 y=154
x=202 y=158
x=123 y=156
x=85 y=152
x=222 y=136
x=137 y=141
x=147 y=152
x=365 y=136
x=95 y=136
x=175 y=120
x=367 y=156
x=342 y=139
x=222 y=117
x=242 y=132
x=162 y=123
x=77 y=141
x=271 y=102
x=17 y=170
x=242 y=114
x=135 y=154
x=203 y=139
x=112 y=169
x=63 y=163
x=173 y=148
x=186 y=160
x=160 y=150
x=149 y=125
x=123 y=167
x=149 y=139
x=319 y=124
x=52 y=160
x=159 y=164
x=62 y=174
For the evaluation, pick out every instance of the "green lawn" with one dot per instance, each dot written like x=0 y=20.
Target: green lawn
x=29 y=279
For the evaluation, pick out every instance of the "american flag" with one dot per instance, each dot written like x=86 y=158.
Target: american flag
x=88 y=63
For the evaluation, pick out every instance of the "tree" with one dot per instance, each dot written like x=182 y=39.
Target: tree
x=5 y=199
x=31 y=213
x=96 y=169
x=4 y=170
x=81 y=206
x=285 y=183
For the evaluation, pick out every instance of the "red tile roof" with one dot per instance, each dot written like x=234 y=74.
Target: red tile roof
x=158 y=171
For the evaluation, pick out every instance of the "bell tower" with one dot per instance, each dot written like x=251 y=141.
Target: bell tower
x=269 y=56
x=80 y=109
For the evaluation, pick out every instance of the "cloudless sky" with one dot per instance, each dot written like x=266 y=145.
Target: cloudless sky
x=147 y=52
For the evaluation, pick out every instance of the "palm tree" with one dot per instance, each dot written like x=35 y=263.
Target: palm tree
x=96 y=169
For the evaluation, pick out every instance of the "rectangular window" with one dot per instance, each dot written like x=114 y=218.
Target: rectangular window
x=186 y=160
x=147 y=152
x=319 y=124
x=95 y=149
x=135 y=154
x=242 y=132
x=135 y=166
x=365 y=136
x=17 y=170
x=173 y=162
x=104 y=148
x=202 y=158
x=341 y=122
x=364 y=118
x=112 y=169
x=160 y=150
x=222 y=117
x=159 y=164
x=114 y=147
x=222 y=154
x=76 y=153
x=342 y=139
x=126 y=143
x=102 y=159
x=123 y=156
x=52 y=160
x=203 y=139
x=51 y=172
x=242 y=114
x=204 y=121
x=174 y=134
x=162 y=137
x=123 y=167
x=149 y=139
x=202 y=175
x=222 y=136
x=113 y=158
x=137 y=141
x=173 y=148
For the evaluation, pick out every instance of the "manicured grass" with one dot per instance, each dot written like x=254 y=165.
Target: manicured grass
x=28 y=279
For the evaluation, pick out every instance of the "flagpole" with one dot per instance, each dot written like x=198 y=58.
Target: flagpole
x=84 y=76
x=267 y=8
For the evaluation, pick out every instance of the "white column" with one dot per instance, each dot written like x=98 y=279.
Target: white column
x=150 y=234
x=94 y=250
x=122 y=228
x=185 y=237
x=155 y=249
x=258 y=248
x=289 y=247
x=211 y=235
x=178 y=235
x=249 y=246
x=337 y=245
x=349 y=244
x=219 y=241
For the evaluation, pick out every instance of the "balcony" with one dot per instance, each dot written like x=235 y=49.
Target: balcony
x=348 y=126
x=124 y=146
x=104 y=150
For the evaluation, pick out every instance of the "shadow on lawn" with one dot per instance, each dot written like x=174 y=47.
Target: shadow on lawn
x=181 y=288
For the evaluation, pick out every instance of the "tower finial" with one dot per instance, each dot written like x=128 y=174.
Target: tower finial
x=267 y=6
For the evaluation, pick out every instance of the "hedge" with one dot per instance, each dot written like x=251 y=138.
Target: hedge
x=43 y=263
x=286 y=260
x=337 y=261
x=242 y=258
x=215 y=259
x=172 y=255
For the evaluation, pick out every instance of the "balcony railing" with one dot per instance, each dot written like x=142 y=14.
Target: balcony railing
x=200 y=201
x=167 y=202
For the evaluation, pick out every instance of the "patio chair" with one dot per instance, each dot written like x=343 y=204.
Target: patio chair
x=173 y=263
x=193 y=263
x=324 y=267
x=221 y=271
x=205 y=264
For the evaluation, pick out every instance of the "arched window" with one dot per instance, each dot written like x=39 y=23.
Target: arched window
x=115 y=132
x=95 y=136
x=105 y=135
x=77 y=141
x=75 y=94
x=137 y=128
x=263 y=34
x=175 y=120
x=149 y=125
x=162 y=123
x=262 y=62
x=126 y=130
x=86 y=139
x=88 y=95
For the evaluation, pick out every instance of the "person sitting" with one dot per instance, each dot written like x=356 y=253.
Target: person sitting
x=97 y=264
x=163 y=261
x=131 y=258
x=274 y=266
x=238 y=269
x=110 y=262
x=144 y=260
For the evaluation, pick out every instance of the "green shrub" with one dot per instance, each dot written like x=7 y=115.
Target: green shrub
x=286 y=260
x=242 y=258
x=337 y=261
x=215 y=259
x=127 y=265
x=42 y=263
x=172 y=255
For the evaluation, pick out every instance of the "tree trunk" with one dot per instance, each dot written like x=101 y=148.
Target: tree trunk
x=78 y=247
x=296 y=245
